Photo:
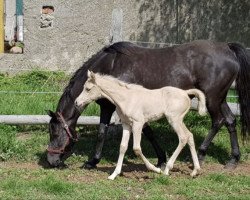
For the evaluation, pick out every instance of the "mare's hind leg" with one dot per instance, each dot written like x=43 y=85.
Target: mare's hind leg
x=231 y=126
x=137 y=128
x=107 y=110
x=148 y=132
x=123 y=149
x=183 y=139
x=214 y=109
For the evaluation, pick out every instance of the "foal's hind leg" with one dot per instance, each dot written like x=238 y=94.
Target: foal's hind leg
x=191 y=144
x=136 y=129
x=183 y=139
x=123 y=149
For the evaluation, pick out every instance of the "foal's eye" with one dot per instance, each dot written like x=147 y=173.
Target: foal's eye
x=87 y=89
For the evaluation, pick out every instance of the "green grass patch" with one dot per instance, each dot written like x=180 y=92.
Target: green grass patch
x=232 y=96
x=83 y=184
x=43 y=89
x=19 y=93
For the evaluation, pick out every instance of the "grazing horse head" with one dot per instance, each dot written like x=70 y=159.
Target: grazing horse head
x=61 y=139
x=63 y=121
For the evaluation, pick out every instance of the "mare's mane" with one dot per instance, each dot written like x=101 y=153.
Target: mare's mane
x=125 y=48
x=80 y=75
x=120 y=47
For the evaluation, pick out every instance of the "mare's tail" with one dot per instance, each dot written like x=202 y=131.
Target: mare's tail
x=243 y=87
x=202 y=100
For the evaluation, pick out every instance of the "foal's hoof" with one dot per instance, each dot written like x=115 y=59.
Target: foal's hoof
x=195 y=173
x=232 y=164
x=111 y=177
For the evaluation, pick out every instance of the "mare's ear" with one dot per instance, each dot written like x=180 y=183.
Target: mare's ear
x=51 y=113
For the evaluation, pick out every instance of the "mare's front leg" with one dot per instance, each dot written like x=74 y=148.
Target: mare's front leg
x=137 y=130
x=148 y=132
x=107 y=110
x=123 y=149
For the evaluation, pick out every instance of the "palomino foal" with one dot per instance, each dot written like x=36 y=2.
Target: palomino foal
x=136 y=106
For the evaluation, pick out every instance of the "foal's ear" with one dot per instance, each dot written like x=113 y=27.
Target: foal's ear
x=92 y=75
x=89 y=73
x=51 y=113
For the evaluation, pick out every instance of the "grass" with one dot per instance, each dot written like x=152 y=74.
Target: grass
x=232 y=96
x=73 y=184
x=24 y=173
x=33 y=93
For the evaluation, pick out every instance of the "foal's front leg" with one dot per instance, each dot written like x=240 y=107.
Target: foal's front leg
x=123 y=149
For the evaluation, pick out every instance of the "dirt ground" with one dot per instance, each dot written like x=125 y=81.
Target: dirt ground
x=133 y=171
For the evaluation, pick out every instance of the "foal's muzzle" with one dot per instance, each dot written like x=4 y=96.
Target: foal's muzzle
x=80 y=106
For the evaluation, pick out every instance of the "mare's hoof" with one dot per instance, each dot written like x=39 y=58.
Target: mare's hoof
x=62 y=166
x=201 y=162
x=232 y=164
x=162 y=166
x=89 y=165
x=201 y=158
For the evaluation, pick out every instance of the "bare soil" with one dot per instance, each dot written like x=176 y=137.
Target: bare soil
x=133 y=171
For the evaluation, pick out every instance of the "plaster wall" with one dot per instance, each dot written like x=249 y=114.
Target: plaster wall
x=80 y=28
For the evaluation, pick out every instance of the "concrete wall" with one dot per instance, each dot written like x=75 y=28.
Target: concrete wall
x=81 y=28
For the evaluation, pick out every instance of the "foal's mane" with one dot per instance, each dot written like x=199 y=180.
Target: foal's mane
x=120 y=82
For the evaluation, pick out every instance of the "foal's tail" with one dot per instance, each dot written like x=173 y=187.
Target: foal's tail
x=202 y=100
x=243 y=87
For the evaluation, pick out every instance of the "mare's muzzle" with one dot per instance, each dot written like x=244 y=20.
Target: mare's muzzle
x=56 y=156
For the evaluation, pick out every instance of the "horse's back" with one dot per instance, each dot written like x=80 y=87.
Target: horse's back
x=205 y=65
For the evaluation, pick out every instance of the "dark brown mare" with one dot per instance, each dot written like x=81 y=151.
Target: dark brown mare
x=205 y=65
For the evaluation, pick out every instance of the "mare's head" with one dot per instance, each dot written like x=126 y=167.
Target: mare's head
x=91 y=91
x=62 y=139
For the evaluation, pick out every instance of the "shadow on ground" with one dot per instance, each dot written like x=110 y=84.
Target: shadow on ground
x=163 y=133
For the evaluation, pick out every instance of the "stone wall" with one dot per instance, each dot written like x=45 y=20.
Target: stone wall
x=81 y=28
x=179 y=21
